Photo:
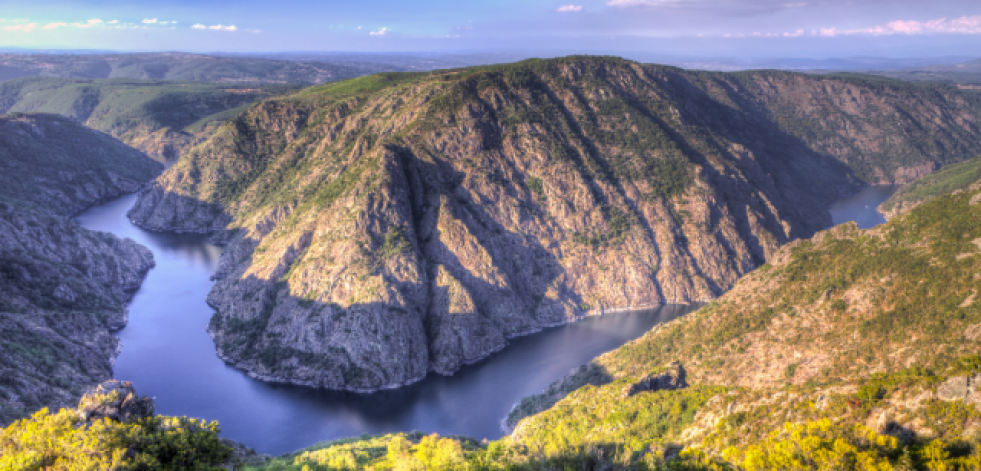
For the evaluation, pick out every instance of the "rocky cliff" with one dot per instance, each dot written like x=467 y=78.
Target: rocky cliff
x=392 y=225
x=63 y=288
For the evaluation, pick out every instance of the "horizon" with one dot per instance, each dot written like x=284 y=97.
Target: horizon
x=702 y=29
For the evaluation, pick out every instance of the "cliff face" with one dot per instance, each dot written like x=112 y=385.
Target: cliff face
x=391 y=225
x=63 y=288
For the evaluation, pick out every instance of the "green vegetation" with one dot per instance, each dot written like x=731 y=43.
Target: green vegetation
x=133 y=110
x=62 y=441
x=949 y=179
x=183 y=67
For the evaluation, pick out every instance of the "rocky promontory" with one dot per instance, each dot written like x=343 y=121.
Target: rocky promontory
x=392 y=225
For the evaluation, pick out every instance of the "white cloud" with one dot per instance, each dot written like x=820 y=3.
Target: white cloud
x=569 y=8
x=829 y=32
x=795 y=34
x=150 y=20
x=113 y=22
x=54 y=25
x=199 y=26
x=22 y=27
x=962 y=25
x=88 y=24
x=252 y=30
x=221 y=27
x=380 y=32
x=165 y=22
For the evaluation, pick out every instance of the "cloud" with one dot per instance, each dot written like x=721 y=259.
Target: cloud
x=199 y=26
x=828 y=32
x=569 y=8
x=252 y=30
x=149 y=20
x=221 y=27
x=795 y=34
x=380 y=32
x=113 y=22
x=22 y=27
x=962 y=25
x=54 y=25
x=88 y=24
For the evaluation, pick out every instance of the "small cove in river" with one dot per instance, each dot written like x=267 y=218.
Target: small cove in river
x=169 y=356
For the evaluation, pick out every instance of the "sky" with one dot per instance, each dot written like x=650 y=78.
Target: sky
x=690 y=28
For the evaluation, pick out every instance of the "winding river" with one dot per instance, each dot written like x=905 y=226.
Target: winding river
x=168 y=356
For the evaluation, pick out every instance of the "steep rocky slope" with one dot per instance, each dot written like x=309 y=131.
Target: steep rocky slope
x=62 y=288
x=392 y=225
x=952 y=178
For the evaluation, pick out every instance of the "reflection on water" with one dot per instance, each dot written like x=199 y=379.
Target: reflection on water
x=860 y=207
x=169 y=356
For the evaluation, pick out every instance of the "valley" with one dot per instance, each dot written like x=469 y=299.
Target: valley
x=454 y=242
x=385 y=227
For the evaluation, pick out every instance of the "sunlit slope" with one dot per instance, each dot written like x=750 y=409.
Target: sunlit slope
x=396 y=224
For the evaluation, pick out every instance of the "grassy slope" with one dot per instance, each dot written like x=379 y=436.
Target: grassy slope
x=954 y=177
x=131 y=109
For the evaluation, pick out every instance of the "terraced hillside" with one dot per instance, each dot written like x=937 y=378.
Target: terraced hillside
x=392 y=225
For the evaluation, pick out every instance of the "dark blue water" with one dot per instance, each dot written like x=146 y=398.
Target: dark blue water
x=860 y=207
x=168 y=356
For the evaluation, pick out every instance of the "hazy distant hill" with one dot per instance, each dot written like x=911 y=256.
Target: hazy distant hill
x=158 y=117
x=402 y=223
x=182 y=66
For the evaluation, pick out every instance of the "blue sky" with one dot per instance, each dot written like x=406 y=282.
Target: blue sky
x=729 y=28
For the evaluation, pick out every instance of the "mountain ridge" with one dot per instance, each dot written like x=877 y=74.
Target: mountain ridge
x=514 y=191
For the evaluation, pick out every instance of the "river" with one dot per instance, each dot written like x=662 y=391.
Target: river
x=169 y=357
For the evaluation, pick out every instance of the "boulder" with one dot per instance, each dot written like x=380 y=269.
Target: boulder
x=670 y=379
x=116 y=400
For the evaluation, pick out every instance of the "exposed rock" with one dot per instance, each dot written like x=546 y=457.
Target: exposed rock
x=63 y=288
x=960 y=388
x=519 y=195
x=115 y=400
x=673 y=378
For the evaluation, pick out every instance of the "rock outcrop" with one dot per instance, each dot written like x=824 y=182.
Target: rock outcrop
x=63 y=288
x=669 y=380
x=398 y=224
x=115 y=400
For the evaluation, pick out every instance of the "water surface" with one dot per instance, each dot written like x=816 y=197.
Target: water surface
x=860 y=207
x=169 y=356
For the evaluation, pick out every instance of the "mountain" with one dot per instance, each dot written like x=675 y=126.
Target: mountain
x=956 y=177
x=856 y=349
x=181 y=66
x=387 y=226
x=161 y=118
x=63 y=288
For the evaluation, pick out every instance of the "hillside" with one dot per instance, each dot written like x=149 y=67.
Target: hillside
x=62 y=288
x=392 y=225
x=161 y=118
x=952 y=178
x=183 y=67
x=852 y=350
